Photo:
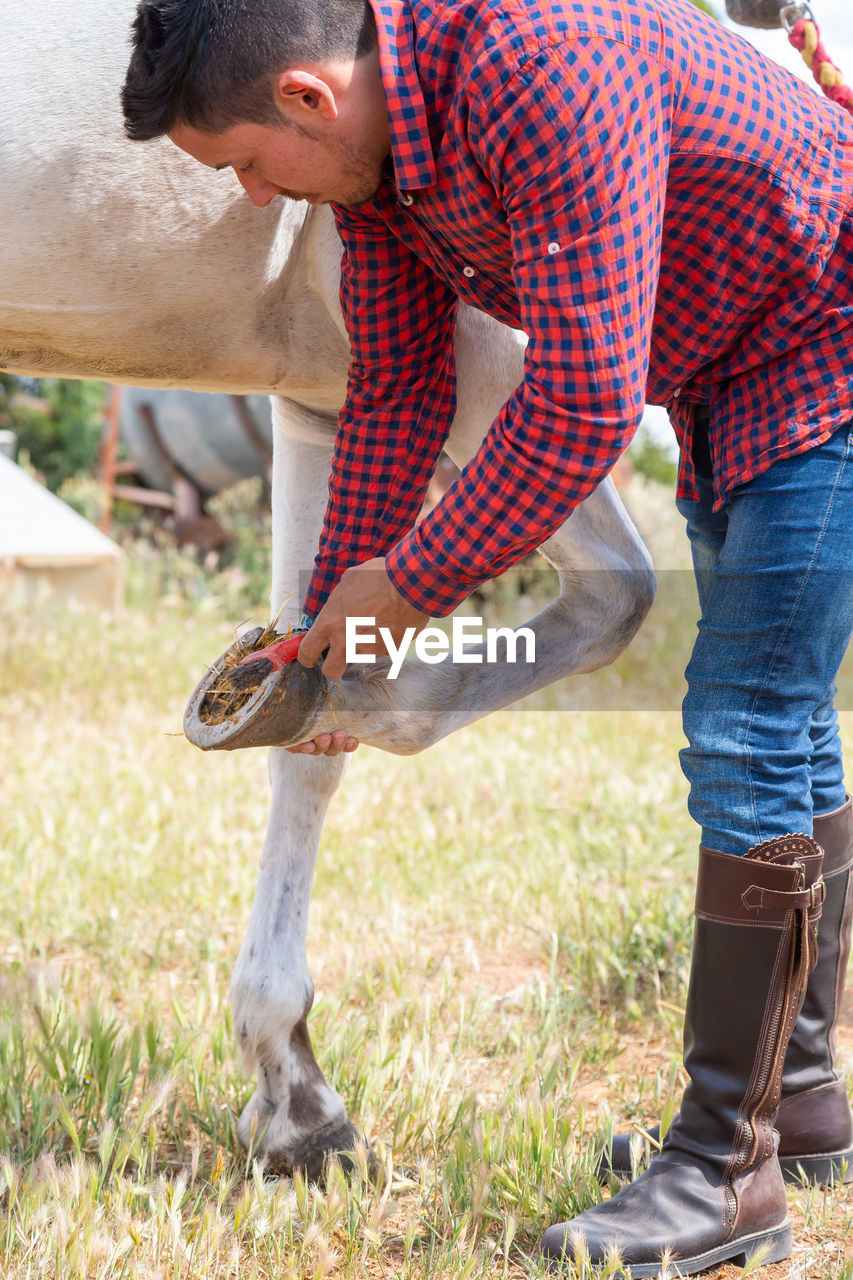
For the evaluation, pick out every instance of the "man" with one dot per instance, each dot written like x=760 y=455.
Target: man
x=668 y=216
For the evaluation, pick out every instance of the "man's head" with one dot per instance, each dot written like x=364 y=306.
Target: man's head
x=212 y=63
x=285 y=92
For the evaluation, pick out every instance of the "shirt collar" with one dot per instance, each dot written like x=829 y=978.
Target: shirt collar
x=411 y=149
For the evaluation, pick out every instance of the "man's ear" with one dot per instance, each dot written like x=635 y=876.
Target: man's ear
x=300 y=94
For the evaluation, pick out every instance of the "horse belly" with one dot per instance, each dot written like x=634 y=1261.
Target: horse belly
x=128 y=261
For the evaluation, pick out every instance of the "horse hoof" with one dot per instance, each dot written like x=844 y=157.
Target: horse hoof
x=335 y=1141
x=281 y=711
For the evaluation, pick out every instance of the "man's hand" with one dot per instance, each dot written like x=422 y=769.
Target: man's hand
x=326 y=744
x=363 y=592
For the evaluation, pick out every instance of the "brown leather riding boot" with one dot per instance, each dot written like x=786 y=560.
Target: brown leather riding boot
x=715 y=1192
x=814 y=1121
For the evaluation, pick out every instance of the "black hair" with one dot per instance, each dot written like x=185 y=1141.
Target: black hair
x=211 y=64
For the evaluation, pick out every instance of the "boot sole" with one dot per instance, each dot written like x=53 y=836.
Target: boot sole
x=774 y=1246
x=818 y=1170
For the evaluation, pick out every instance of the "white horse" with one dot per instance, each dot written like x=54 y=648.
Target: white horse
x=131 y=263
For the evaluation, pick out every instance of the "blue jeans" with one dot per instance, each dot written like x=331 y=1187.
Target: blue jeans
x=774 y=571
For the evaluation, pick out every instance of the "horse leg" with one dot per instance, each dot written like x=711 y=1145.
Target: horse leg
x=606 y=589
x=295 y=1118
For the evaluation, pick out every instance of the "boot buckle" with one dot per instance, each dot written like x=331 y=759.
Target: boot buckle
x=759 y=898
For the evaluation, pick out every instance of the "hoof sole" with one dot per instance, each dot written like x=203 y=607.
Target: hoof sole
x=281 y=711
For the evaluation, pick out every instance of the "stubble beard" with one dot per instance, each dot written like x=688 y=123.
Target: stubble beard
x=361 y=176
x=361 y=168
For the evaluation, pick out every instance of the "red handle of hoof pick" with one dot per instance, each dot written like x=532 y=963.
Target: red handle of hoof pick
x=278 y=654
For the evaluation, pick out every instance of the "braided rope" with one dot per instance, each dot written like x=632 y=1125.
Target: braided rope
x=805 y=36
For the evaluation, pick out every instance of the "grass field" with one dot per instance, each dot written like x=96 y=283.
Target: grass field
x=499 y=941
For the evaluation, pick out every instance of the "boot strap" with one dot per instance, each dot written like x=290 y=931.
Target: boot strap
x=755 y=898
x=838 y=871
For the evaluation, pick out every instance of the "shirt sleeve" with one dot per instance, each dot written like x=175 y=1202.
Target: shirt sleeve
x=400 y=402
x=576 y=147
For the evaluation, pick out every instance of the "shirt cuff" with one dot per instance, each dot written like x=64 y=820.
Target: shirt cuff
x=420 y=583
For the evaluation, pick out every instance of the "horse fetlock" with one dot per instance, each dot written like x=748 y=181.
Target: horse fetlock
x=266 y=1013
x=295 y=1119
x=403 y=714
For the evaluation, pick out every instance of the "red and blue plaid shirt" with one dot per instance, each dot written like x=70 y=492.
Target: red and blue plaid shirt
x=663 y=211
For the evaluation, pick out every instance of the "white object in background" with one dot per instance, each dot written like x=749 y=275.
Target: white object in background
x=46 y=548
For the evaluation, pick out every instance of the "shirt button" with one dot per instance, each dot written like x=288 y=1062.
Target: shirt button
x=406 y=198
x=553 y=247
x=469 y=272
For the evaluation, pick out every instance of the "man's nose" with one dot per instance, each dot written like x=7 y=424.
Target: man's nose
x=257 y=188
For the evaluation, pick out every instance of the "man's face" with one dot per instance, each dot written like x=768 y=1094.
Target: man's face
x=300 y=163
